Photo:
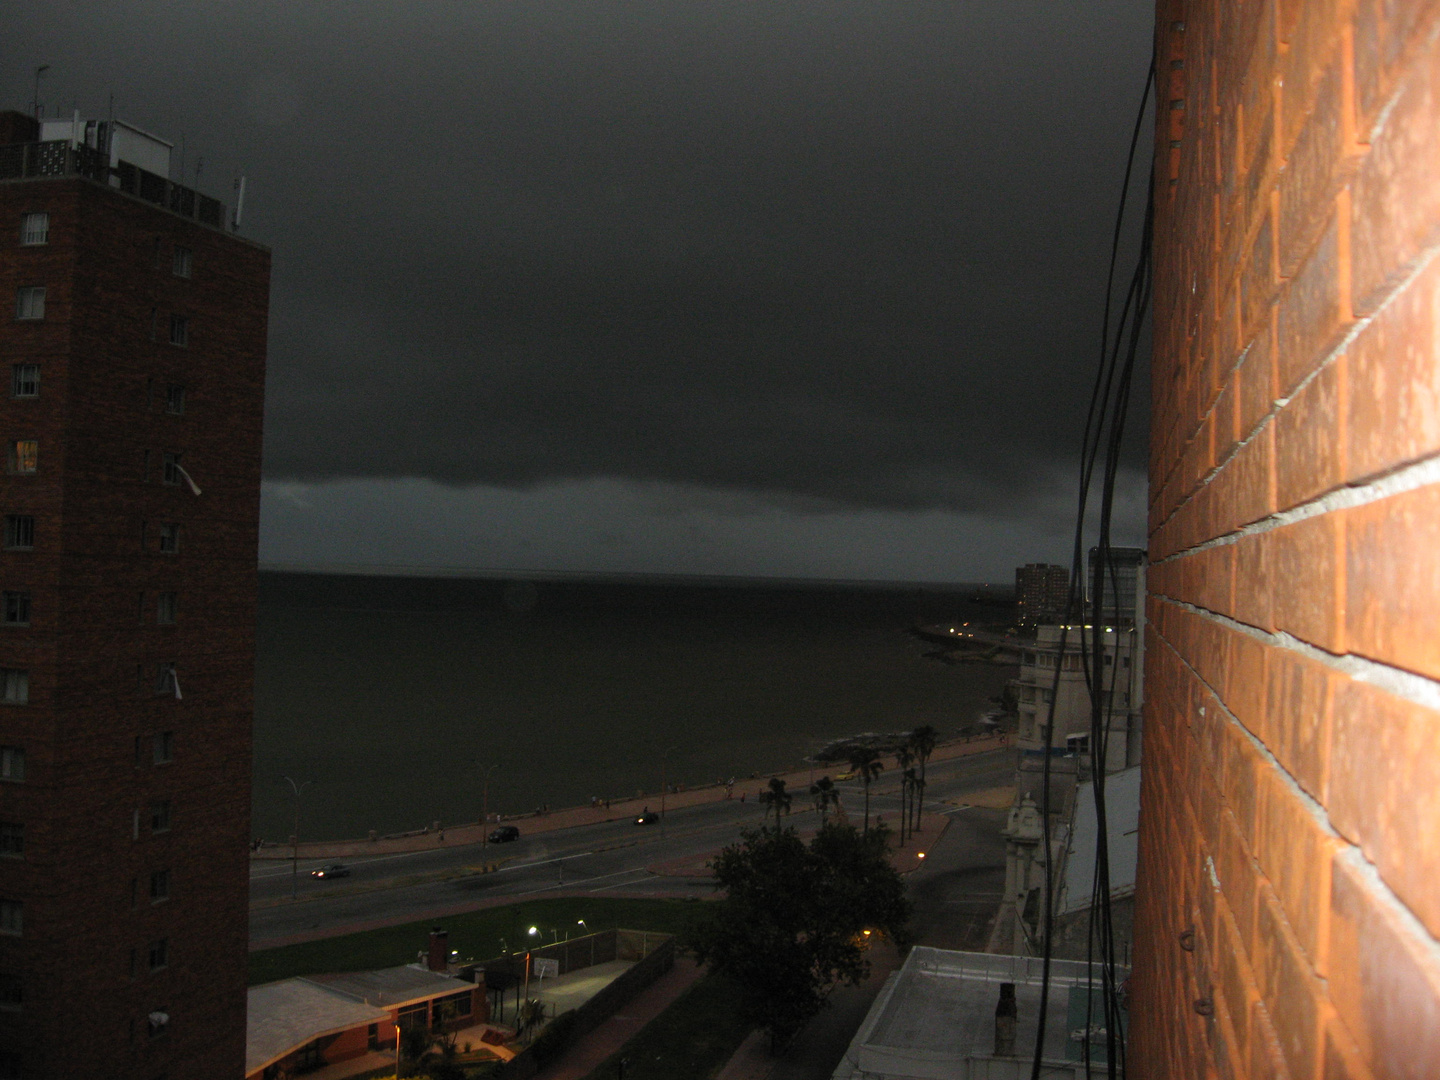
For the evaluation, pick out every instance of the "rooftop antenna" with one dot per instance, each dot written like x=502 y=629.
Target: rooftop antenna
x=239 y=204
x=35 y=102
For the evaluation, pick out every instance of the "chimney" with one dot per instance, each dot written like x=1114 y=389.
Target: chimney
x=1005 y=1013
x=439 y=950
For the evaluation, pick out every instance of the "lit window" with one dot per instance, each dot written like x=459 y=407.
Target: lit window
x=30 y=302
x=169 y=538
x=12 y=763
x=19 y=532
x=14 y=686
x=24 y=456
x=34 y=229
x=175 y=400
x=12 y=917
x=164 y=747
x=170 y=472
x=180 y=267
x=15 y=605
x=159 y=955
x=179 y=330
x=12 y=839
x=160 y=816
x=165 y=681
x=159 y=887
x=25 y=380
x=165 y=606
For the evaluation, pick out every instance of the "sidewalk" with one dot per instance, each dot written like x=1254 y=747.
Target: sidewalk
x=620 y=809
x=587 y=1054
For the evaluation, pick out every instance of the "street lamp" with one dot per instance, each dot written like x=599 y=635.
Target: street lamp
x=295 y=838
x=533 y=934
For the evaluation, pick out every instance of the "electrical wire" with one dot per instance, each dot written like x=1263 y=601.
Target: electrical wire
x=1104 y=425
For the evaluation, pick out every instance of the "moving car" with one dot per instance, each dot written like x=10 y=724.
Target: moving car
x=647 y=817
x=504 y=834
x=331 y=870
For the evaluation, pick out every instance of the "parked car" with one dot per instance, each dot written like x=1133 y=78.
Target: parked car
x=504 y=834
x=331 y=870
x=647 y=817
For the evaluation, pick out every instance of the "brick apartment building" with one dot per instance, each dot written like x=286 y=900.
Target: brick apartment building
x=1288 y=914
x=132 y=345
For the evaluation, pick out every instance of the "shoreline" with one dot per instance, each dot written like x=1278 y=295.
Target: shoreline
x=473 y=833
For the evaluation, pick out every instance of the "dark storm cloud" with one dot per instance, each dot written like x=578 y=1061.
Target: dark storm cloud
x=850 y=252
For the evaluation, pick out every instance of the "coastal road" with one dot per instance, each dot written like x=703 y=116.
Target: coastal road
x=601 y=858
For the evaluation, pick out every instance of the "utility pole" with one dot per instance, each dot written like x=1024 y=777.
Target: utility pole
x=295 y=838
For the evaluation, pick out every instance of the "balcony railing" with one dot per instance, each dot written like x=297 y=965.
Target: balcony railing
x=24 y=161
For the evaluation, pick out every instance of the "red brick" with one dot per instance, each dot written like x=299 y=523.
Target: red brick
x=1396 y=208
x=1293 y=996
x=1387 y=35
x=1234 y=981
x=1392 y=579
x=1298 y=705
x=1258 y=276
x=1294 y=851
x=1312 y=313
x=1244 y=490
x=1393 y=413
x=1246 y=682
x=1253 y=581
x=1267 y=1059
x=1383 y=784
x=1383 y=982
x=1239 y=877
x=1310 y=439
x=1308 y=557
x=1342 y=1056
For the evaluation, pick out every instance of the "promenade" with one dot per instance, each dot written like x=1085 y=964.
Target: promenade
x=797 y=782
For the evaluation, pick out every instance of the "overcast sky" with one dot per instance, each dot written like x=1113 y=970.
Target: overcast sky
x=808 y=289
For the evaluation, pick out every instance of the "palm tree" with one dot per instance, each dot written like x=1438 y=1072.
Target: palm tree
x=904 y=758
x=825 y=796
x=776 y=797
x=922 y=742
x=865 y=763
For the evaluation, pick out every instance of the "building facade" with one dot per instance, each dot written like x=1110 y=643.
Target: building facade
x=133 y=349
x=1124 y=601
x=1042 y=593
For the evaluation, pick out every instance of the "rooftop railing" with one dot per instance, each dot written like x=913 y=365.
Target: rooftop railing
x=36 y=160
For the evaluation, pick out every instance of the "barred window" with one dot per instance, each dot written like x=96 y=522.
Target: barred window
x=34 y=229
x=175 y=399
x=170 y=468
x=165 y=607
x=25 y=380
x=180 y=265
x=179 y=330
x=164 y=747
x=30 y=302
x=15 y=607
x=19 y=531
x=169 y=539
x=165 y=680
x=160 y=816
x=159 y=886
x=159 y=954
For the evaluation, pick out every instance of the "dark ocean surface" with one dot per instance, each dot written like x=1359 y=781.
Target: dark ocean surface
x=394 y=696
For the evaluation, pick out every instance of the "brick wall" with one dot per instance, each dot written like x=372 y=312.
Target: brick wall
x=1289 y=892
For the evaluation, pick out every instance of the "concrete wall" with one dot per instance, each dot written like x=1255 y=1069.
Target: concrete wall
x=1290 y=802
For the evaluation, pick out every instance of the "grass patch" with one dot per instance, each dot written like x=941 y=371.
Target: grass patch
x=475 y=934
x=691 y=1040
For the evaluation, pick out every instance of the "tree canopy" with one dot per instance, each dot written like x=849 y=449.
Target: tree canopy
x=792 y=924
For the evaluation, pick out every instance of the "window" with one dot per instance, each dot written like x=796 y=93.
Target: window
x=12 y=917
x=414 y=1017
x=157 y=1023
x=180 y=265
x=179 y=330
x=165 y=681
x=30 y=302
x=12 y=995
x=160 y=816
x=170 y=469
x=159 y=888
x=14 y=686
x=12 y=839
x=1077 y=744
x=19 y=532
x=24 y=456
x=12 y=763
x=164 y=747
x=25 y=380
x=159 y=954
x=169 y=539
x=165 y=605
x=175 y=399
x=16 y=608
x=34 y=229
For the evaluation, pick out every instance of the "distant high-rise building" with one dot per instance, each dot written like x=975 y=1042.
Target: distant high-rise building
x=134 y=354
x=1042 y=592
x=1124 y=600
